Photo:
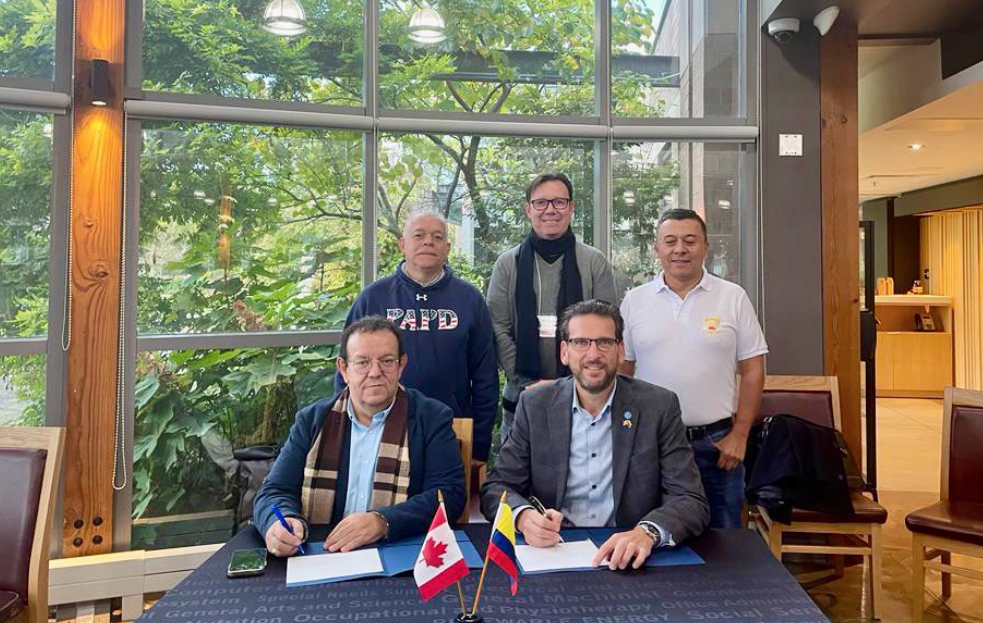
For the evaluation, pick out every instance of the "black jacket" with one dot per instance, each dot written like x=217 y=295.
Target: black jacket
x=795 y=463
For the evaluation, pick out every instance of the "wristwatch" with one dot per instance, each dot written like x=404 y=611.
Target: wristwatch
x=652 y=532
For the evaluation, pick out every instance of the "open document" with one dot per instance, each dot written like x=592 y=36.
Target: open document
x=568 y=556
x=308 y=570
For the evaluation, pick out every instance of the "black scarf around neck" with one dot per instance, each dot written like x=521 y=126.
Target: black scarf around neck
x=571 y=291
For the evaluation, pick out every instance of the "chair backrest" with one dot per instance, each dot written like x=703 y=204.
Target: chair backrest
x=813 y=398
x=30 y=466
x=962 y=441
x=464 y=430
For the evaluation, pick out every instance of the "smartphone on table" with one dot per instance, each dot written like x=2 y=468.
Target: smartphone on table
x=247 y=562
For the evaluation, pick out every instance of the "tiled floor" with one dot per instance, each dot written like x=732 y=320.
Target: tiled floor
x=909 y=442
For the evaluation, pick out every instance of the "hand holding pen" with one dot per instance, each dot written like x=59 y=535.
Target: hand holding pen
x=541 y=528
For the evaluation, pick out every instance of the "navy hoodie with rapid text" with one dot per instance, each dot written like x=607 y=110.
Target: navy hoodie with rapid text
x=450 y=344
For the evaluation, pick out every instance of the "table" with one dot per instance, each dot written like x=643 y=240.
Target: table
x=740 y=582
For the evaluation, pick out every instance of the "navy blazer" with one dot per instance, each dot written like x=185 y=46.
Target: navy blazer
x=435 y=463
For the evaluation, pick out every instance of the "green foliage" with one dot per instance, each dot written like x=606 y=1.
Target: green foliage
x=27 y=38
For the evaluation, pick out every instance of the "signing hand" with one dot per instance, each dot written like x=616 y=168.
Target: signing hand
x=621 y=548
x=355 y=531
x=279 y=542
x=732 y=448
x=540 y=530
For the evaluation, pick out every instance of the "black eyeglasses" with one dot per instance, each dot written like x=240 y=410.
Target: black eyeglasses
x=386 y=364
x=604 y=344
x=560 y=203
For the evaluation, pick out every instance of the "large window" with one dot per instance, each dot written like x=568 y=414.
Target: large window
x=25 y=208
x=476 y=56
x=27 y=39
x=194 y=407
x=247 y=228
x=677 y=58
x=243 y=229
x=478 y=184
x=652 y=177
x=238 y=49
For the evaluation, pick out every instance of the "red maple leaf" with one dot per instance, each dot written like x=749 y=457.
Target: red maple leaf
x=433 y=553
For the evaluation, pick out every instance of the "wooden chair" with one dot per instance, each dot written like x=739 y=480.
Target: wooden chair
x=817 y=399
x=464 y=430
x=30 y=466
x=955 y=522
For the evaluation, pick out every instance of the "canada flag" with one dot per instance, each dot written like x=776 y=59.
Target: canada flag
x=441 y=562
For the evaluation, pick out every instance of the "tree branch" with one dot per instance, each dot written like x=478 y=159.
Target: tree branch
x=457 y=96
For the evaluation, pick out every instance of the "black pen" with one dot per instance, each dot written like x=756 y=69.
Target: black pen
x=536 y=504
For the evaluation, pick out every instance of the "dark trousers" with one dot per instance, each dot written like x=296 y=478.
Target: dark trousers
x=724 y=488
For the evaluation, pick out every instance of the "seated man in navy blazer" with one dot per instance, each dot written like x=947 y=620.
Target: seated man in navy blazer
x=369 y=460
x=599 y=450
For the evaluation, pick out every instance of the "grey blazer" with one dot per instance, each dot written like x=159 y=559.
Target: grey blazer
x=654 y=475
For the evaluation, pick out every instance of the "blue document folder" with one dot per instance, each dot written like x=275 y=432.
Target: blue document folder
x=398 y=557
x=663 y=557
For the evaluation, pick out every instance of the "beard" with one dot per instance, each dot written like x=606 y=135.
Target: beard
x=598 y=386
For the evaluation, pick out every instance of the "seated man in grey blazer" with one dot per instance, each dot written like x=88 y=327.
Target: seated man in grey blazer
x=599 y=450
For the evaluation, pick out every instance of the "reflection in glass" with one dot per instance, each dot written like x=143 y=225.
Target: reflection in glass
x=247 y=228
x=225 y=48
x=478 y=184
x=25 y=209
x=27 y=38
x=650 y=178
x=193 y=408
x=22 y=387
x=676 y=58
x=476 y=56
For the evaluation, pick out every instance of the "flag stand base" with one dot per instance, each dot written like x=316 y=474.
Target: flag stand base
x=469 y=618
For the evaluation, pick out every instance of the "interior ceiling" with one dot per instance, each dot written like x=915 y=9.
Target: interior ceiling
x=951 y=130
x=893 y=18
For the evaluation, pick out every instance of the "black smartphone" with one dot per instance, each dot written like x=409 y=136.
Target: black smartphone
x=246 y=562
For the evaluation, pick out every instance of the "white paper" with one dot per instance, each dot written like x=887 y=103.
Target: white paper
x=327 y=567
x=560 y=557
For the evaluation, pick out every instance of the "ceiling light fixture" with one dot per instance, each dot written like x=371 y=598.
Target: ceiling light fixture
x=915 y=146
x=285 y=18
x=427 y=26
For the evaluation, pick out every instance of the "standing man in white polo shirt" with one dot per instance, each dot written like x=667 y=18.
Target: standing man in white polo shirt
x=692 y=333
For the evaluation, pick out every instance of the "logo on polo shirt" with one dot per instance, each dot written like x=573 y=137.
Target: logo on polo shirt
x=711 y=324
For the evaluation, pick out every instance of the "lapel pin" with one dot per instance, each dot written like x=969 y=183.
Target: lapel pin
x=627 y=421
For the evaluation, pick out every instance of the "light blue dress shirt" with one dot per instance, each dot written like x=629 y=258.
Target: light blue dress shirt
x=589 y=499
x=363 y=454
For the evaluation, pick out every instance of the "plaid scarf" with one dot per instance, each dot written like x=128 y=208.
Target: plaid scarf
x=392 y=470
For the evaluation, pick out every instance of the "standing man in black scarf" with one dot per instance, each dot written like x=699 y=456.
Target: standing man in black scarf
x=534 y=282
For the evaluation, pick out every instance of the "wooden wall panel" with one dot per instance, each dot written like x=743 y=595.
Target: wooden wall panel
x=839 y=144
x=97 y=164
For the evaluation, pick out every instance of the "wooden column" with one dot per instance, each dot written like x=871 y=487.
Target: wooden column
x=97 y=192
x=841 y=216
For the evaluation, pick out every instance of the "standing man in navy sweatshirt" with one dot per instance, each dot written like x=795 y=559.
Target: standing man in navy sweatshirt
x=446 y=326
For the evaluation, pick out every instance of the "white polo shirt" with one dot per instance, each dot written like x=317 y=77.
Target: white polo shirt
x=691 y=346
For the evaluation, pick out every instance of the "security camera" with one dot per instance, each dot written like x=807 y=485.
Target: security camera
x=783 y=29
